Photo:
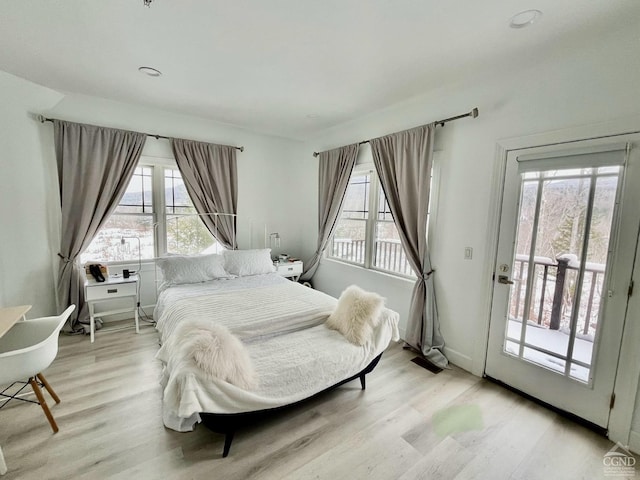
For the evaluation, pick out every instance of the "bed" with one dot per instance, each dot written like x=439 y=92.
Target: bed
x=281 y=325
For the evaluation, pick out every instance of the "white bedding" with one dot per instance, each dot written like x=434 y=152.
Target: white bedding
x=280 y=322
x=272 y=305
x=176 y=292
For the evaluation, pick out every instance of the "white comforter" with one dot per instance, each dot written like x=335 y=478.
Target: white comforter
x=275 y=307
x=280 y=322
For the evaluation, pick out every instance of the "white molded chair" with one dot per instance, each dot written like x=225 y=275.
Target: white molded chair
x=27 y=349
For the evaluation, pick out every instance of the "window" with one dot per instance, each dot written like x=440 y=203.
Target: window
x=349 y=238
x=366 y=239
x=185 y=232
x=155 y=216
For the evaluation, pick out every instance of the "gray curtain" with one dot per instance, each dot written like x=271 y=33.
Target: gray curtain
x=404 y=161
x=210 y=174
x=334 y=170
x=95 y=165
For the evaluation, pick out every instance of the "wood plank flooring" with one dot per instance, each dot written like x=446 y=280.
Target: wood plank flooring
x=409 y=424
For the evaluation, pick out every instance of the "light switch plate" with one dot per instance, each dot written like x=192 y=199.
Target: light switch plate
x=468 y=253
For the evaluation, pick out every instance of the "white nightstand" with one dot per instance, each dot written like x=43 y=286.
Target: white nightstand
x=111 y=289
x=291 y=270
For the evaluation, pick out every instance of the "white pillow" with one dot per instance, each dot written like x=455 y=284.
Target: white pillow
x=180 y=269
x=248 y=262
x=356 y=315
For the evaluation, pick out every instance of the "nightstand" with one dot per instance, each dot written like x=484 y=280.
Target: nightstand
x=291 y=270
x=111 y=289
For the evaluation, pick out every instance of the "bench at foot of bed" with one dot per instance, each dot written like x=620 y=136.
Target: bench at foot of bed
x=228 y=424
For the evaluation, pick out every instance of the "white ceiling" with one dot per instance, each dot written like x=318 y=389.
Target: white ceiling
x=268 y=66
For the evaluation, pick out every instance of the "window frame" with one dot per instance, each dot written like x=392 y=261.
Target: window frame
x=159 y=214
x=375 y=188
x=160 y=165
x=357 y=170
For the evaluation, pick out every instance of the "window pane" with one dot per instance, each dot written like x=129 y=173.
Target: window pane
x=348 y=241
x=567 y=172
x=175 y=193
x=107 y=246
x=137 y=198
x=388 y=252
x=384 y=213
x=356 y=199
x=556 y=300
x=186 y=234
x=615 y=169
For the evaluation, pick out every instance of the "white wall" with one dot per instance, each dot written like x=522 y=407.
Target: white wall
x=27 y=230
x=571 y=86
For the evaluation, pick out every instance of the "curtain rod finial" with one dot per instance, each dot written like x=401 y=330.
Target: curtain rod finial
x=41 y=118
x=315 y=154
x=241 y=149
x=474 y=113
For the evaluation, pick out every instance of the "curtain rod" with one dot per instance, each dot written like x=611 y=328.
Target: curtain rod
x=473 y=114
x=43 y=119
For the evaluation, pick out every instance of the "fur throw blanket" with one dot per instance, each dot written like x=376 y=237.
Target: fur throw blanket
x=215 y=351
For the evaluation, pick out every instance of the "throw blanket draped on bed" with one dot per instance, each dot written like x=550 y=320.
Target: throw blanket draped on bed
x=281 y=325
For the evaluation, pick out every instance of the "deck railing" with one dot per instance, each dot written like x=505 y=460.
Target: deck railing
x=348 y=249
x=389 y=254
x=554 y=296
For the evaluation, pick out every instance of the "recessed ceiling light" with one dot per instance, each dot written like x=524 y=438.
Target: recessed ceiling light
x=152 y=72
x=524 y=19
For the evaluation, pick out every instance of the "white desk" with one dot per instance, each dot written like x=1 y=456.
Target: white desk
x=111 y=289
x=8 y=317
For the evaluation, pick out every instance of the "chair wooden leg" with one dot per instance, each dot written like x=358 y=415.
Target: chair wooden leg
x=3 y=465
x=44 y=382
x=43 y=403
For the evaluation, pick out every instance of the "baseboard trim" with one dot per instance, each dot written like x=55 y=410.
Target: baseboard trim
x=458 y=359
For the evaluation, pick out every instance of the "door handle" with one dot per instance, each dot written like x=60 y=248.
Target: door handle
x=504 y=280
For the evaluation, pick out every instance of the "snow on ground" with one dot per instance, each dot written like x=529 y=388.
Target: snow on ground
x=555 y=341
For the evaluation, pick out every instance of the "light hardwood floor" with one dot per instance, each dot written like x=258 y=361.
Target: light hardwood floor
x=408 y=424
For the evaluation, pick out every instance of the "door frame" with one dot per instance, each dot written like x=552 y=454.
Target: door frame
x=627 y=378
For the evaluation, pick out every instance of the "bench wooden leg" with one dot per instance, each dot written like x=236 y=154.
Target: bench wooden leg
x=44 y=382
x=43 y=403
x=363 y=383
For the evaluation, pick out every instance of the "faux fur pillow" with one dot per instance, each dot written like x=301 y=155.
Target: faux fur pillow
x=356 y=315
x=218 y=353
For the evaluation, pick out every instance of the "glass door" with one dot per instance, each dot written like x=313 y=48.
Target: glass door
x=559 y=277
x=560 y=266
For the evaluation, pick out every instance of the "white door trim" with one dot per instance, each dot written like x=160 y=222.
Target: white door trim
x=627 y=378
